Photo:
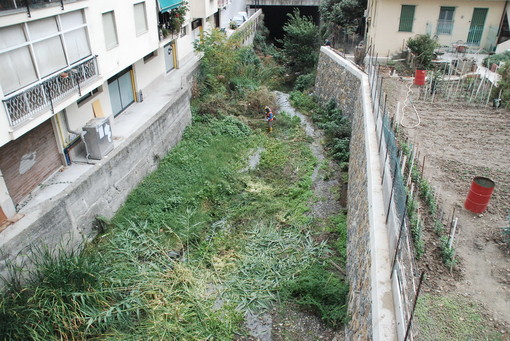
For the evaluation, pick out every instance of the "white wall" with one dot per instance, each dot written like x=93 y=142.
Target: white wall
x=147 y=72
x=383 y=30
x=130 y=47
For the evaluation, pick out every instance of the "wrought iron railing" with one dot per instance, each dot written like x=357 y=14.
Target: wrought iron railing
x=27 y=5
x=41 y=97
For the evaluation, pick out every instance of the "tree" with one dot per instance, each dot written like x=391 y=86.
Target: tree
x=341 y=20
x=343 y=13
x=300 y=42
x=422 y=46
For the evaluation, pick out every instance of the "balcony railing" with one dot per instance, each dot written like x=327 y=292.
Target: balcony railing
x=41 y=97
x=27 y=5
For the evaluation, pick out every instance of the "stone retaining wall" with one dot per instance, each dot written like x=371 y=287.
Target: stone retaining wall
x=367 y=258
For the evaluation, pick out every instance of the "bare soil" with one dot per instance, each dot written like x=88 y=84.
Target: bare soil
x=457 y=142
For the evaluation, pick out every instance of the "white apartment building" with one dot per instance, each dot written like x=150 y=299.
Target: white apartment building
x=70 y=64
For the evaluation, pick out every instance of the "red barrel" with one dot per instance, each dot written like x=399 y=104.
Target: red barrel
x=479 y=194
x=419 y=77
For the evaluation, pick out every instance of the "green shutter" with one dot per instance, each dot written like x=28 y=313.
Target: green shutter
x=477 y=24
x=406 y=18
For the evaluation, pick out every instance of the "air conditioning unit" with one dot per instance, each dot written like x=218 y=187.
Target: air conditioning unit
x=98 y=138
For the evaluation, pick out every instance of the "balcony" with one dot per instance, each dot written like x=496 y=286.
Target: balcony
x=27 y=5
x=38 y=98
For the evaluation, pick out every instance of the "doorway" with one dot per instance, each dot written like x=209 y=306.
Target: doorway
x=120 y=88
x=477 y=24
x=169 y=52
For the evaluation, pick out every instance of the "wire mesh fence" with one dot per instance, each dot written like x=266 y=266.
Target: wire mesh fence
x=395 y=200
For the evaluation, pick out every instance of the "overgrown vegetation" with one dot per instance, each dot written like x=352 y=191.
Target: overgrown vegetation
x=200 y=241
x=496 y=59
x=329 y=118
x=502 y=91
x=320 y=290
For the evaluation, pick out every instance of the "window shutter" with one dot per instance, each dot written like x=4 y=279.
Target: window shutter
x=406 y=18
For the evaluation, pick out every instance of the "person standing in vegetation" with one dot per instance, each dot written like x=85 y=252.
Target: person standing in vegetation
x=269 y=118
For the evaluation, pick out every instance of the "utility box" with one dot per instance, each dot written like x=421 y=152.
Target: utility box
x=97 y=135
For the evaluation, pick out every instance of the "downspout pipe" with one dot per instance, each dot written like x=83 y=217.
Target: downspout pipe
x=81 y=134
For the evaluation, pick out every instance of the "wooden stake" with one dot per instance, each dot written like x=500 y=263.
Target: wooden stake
x=452 y=234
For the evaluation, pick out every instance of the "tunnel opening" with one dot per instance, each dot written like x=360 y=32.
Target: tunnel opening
x=275 y=17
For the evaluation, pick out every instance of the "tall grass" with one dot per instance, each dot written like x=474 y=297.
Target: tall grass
x=197 y=244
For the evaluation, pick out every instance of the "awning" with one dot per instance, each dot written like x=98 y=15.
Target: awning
x=167 y=5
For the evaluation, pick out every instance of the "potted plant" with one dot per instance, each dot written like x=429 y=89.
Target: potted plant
x=177 y=18
x=422 y=47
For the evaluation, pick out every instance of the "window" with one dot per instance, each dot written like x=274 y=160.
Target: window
x=89 y=95
x=140 y=18
x=445 y=21
x=184 y=31
x=34 y=50
x=110 y=31
x=406 y=18
x=150 y=56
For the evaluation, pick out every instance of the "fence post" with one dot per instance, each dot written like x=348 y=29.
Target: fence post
x=414 y=305
x=397 y=248
x=391 y=193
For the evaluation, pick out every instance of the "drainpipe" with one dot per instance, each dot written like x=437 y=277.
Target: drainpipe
x=81 y=134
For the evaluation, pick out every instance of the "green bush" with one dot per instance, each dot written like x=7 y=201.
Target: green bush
x=422 y=46
x=305 y=82
x=321 y=291
x=496 y=58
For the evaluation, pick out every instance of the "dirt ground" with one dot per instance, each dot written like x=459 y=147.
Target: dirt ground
x=458 y=142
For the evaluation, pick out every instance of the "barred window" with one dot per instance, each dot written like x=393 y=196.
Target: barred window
x=445 y=21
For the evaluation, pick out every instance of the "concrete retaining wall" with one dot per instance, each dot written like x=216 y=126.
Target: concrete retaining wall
x=69 y=218
x=368 y=266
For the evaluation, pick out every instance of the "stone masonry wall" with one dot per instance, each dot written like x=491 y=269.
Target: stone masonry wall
x=340 y=83
x=69 y=218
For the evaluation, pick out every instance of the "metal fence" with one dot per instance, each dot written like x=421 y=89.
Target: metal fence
x=395 y=195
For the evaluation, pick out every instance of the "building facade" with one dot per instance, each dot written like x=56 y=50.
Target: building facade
x=474 y=23
x=68 y=68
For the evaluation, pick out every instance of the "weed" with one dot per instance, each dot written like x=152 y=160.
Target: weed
x=448 y=253
x=318 y=289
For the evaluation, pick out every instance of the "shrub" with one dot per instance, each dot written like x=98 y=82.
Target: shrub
x=422 y=46
x=304 y=82
x=496 y=58
x=321 y=291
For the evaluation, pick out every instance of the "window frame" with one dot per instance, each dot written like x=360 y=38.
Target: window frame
x=110 y=46
x=30 y=43
x=445 y=25
x=145 y=29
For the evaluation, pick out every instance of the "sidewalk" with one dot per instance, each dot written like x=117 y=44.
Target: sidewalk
x=156 y=96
